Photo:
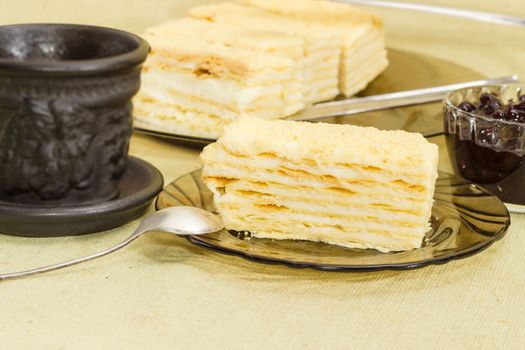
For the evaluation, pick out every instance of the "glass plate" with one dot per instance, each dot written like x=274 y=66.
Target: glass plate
x=425 y=71
x=465 y=220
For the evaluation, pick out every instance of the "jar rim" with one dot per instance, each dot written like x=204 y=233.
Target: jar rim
x=448 y=103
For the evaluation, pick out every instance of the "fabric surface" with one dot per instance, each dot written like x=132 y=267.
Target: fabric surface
x=162 y=292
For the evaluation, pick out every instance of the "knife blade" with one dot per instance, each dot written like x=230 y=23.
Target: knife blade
x=390 y=100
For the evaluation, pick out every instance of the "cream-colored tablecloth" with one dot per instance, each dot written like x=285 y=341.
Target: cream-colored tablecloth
x=162 y=292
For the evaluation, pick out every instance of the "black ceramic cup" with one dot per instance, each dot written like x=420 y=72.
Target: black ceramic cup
x=65 y=111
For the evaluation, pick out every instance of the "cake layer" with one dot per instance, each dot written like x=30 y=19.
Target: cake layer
x=362 y=62
x=339 y=184
x=191 y=78
x=343 y=172
x=333 y=144
x=389 y=192
x=393 y=202
x=347 y=226
x=321 y=43
x=231 y=36
x=223 y=97
x=325 y=222
x=283 y=216
x=321 y=211
x=154 y=115
x=206 y=59
x=316 y=10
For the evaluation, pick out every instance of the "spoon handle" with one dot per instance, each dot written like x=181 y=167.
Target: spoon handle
x=57 y=266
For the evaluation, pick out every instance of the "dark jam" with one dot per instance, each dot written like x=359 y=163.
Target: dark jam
x=489 y=150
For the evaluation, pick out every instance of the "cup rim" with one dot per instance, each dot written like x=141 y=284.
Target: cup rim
x=122 y=61
x=449 y=104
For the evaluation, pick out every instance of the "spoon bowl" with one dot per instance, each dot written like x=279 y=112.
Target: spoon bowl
x=181 y=220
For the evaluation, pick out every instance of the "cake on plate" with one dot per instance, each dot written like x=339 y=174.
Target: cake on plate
x=357 y=187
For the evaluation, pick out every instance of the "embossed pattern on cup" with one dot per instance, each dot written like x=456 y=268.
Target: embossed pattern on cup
x=65 y=111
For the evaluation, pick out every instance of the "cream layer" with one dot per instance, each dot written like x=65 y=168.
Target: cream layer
x=357 y=82
x=202 y=67
x=362 y=60
x=147 y=101
x=347 y=171
x=334 y=195
x=347 y=215
x=274 y=224
x=221 y=97
x=180 y=122
x=386 y=194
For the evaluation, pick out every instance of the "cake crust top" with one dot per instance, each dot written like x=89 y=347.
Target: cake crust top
x=331 y=144
x=229 y=35
x=237 y=13
x=318 y=10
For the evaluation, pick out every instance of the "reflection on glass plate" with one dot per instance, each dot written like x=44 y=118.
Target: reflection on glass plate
x=465 y=220
x=425 y=71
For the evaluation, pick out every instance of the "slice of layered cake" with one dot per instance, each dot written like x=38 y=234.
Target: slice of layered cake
x=193 y=86
x=363 y=55
x=321 y=42
x=339 y=184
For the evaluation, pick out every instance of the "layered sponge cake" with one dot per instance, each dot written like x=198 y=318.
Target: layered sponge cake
x=193 y=86
x=321 y=42
x=363 y=52
x=339 y=184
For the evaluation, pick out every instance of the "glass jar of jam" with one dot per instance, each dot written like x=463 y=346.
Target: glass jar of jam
x=485 y=132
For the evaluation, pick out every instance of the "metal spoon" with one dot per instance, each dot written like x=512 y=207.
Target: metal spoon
x=177 y=220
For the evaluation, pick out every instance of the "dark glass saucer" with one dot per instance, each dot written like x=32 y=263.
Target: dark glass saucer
x=466 y=219
x=138 y=186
